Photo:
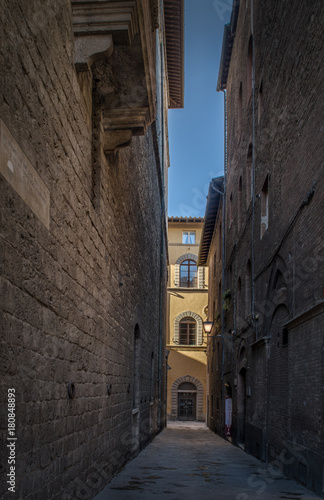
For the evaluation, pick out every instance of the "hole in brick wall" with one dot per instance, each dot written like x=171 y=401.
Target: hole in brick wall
x=285 y=336
x=71 y=390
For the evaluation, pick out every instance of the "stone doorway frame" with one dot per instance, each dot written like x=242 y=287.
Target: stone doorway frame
x=200 y=397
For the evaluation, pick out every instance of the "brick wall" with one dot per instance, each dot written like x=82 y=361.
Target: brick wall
x=71 y=295
x=287 y=256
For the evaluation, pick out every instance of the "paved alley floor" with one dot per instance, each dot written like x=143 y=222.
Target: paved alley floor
x=188 y=461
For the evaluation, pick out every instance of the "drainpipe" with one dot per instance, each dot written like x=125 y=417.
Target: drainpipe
x=254 y=322
x=162 y=401
x=253 y=175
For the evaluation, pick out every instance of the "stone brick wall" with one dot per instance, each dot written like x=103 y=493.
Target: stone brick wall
x=284 y=367
x=214 y=345
x=72 y=293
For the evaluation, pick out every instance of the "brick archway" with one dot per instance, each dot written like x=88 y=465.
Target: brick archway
x=174 y=396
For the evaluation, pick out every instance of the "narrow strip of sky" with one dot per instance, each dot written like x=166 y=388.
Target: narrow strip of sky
x=196 y=133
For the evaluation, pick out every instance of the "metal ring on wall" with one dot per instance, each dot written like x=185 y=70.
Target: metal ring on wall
x=109 y=389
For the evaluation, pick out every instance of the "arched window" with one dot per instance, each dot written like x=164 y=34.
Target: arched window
x=188 y=274
x=187 y=331
x=199 y=282
x=183 y=317
x=187 y=386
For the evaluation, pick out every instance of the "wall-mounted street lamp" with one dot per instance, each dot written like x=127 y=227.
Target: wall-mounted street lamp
x=208 y=326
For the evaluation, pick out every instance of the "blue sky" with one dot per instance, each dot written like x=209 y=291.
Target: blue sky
x=196 y=133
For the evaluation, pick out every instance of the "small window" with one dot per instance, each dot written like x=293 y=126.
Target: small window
x=230 y=222
x=285 y=336
x=260 y=97
x=188 y=274
x=187 y=331
x=188 y=238
x=264 y=207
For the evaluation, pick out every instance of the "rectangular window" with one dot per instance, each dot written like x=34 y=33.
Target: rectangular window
x=189 y=237
x=188 y=274
x=187 y=332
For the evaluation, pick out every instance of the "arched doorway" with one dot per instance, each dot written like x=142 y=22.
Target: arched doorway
x=187 y=401
x=178 y=388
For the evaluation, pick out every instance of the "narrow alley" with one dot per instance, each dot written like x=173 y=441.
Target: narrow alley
x=188 y=461
x=161 y=249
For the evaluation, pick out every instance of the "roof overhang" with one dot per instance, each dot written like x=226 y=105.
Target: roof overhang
x=174 y=40
x=186 y=220
x=215 y=194
x=228 y=40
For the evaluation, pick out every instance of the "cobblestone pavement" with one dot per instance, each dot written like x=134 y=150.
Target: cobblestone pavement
x=188 y=461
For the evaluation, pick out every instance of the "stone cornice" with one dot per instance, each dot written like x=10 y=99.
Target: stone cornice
x=193 y=291
x=186 y=347
x=115 y=41
x=93 y=17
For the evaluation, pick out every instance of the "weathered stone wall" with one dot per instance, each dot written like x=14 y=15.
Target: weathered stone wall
x=284 y=367
x=214 y=344
x=72 y=293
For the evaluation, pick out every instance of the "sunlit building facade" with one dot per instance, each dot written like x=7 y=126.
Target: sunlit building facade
x=187 y=309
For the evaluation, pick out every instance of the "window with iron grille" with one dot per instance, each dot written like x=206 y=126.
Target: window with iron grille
x=187 y=331
x=188 y=274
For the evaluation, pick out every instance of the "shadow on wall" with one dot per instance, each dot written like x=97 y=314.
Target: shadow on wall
x=187 y=363
x=183 y=363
